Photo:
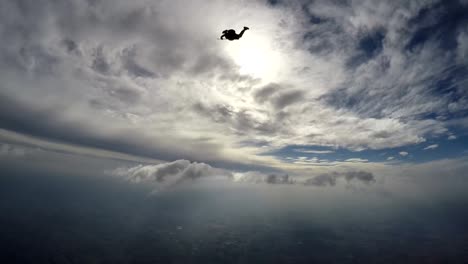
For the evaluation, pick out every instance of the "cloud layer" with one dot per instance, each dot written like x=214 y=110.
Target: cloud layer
x=171 y=174
x=151 y=79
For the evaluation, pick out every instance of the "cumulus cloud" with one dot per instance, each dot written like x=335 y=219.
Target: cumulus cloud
x=403 y=153
x=171 y=173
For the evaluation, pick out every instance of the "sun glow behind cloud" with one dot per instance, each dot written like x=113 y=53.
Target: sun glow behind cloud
x=255 y=55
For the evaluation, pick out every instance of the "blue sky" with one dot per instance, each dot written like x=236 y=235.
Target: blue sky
x=435 y=149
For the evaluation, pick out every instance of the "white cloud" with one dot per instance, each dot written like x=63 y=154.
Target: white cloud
x=434 y=146
x=171 y=173
x=403 y=153
x=452 y=137
x=390 y=158
x=357 y=160
x=312 y=161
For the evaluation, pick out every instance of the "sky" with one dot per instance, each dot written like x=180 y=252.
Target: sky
x=331 y=116
x=313 y=87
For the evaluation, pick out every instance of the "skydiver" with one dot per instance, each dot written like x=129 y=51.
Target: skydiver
x=230 y=34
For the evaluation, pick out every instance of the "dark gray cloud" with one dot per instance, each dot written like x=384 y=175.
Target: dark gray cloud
x=278 y=95
x=242 y=121
x=278 y=179
x=219 y=113
x=264 y=93
x=362 y=176
x=322 y=180
x=288 y=98
x=100 y=63
x=330 y=179
x=129 y=58
x=126 y=94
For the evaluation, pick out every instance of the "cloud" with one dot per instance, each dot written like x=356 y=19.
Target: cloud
x=312 y=161
x=452 y=137
x=390 y=158
x=403 y=153
x=362 y=176
x=259 y=177
x=171 y=173
x=325 y=179
x=264 y=93
x=288 y=98
x=322 y=180
x=280 y=96
x=357 y=160
x=434 y=146
x=68 y=127
x=330 y=179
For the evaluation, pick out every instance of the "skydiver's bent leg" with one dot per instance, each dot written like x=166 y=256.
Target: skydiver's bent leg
x=242 y=32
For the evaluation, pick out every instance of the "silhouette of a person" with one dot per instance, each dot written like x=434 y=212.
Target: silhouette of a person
x=230 y=34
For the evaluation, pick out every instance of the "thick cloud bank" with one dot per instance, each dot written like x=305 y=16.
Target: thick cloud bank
x=180 y=171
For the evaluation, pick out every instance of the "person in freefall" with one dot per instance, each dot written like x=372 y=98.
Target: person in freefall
x=231 y=34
